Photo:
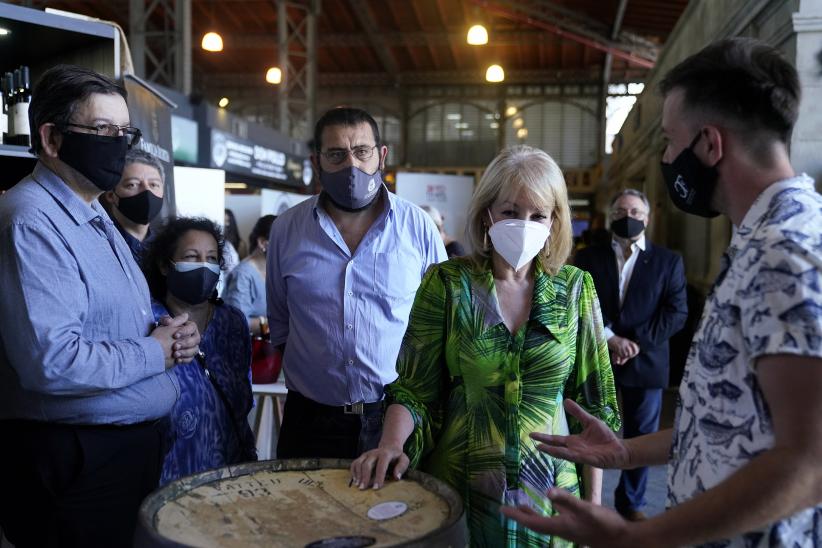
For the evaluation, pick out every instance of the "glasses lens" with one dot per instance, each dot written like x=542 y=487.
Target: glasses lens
x=336 y=156
x=633 y=212
x=108 y=130
x=363 y=153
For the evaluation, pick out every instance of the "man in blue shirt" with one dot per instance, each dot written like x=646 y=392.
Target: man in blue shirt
x=136 y=200
x=83 y=369
x=343 y=269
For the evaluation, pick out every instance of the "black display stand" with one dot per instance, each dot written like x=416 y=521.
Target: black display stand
x=41 y=40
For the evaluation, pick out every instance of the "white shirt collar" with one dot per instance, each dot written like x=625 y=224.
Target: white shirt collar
x=639 y=244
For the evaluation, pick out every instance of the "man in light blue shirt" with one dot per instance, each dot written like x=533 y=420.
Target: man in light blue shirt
x=343 y=269
x=83 y=370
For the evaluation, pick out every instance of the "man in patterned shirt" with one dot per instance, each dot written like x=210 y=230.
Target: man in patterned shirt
x=745 y=450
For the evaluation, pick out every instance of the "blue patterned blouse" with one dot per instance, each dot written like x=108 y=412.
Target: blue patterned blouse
x=202 y=433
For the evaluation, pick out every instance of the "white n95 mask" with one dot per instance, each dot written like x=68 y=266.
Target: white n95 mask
x=518 y=241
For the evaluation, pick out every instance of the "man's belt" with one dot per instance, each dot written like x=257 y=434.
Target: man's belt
x=361 y=408
x=356 y=408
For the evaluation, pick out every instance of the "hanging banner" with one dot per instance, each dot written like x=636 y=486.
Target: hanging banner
x=150 y=111
x=243 y=157
x=450 y=194
x=184 y=139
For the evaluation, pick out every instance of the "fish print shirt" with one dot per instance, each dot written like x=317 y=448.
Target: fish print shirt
x=766 y=300
x=476 y=391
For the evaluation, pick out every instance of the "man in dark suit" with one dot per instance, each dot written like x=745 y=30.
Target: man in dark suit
x=641 y=289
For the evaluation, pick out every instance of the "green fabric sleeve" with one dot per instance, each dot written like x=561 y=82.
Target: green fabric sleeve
x=423 y=376
x=591 y=383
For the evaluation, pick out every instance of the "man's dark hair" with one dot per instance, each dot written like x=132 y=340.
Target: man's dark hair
x=745 y=83
x=261 y=228
x=162 y=248
x=343 y=116
x=58 y=93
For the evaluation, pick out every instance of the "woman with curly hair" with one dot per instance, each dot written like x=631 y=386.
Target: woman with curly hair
x=207 y=427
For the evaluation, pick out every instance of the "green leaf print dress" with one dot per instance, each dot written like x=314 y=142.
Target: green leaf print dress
x=476 y=391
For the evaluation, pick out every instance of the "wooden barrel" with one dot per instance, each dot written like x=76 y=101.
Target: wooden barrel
x=300 y=502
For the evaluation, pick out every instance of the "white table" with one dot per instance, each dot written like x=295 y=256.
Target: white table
x=268 y=416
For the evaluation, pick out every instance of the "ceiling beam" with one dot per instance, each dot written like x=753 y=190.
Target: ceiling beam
x=363 y=15
x=525 y=14
x=609 y=58
x=409 y=39
x=607 y=66
x=592 y=25
x=517 y=77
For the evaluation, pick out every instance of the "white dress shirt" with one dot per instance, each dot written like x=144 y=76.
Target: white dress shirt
x=625 y=268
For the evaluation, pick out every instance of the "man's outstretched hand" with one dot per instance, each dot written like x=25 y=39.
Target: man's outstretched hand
x=579 y=521
x=596 y=445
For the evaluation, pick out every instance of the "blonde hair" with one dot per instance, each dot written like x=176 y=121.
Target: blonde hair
x=530 y=170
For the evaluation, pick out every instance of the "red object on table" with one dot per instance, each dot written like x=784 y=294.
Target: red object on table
x=266 y=361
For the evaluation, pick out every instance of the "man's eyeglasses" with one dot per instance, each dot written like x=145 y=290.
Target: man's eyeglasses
x=634 y=212
x=132 y=134
x=337 y=156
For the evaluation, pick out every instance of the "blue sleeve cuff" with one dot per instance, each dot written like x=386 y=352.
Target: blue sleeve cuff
x=155 y=361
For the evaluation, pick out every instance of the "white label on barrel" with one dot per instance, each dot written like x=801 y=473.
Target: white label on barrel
x=387 y=510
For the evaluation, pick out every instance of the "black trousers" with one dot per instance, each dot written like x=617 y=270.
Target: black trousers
x=641 y=408
x=314 y=430
x=66 y=485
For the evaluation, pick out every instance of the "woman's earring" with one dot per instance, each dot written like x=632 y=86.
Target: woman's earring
x=485 y=239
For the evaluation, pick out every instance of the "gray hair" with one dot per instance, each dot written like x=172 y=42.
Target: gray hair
x=434 y=213
x=138 y=156
x=631 y=192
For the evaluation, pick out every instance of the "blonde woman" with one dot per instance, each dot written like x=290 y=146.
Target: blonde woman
x=495 y=342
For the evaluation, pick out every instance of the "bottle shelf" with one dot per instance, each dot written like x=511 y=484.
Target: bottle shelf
x=40 y=40
x=15 y=151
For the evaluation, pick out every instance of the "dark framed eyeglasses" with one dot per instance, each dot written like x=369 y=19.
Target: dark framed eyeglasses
x=131 y=133
x=337 y=156
x=634 y=212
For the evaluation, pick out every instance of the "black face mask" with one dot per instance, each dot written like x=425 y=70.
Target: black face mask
x=195 y=285
x=627 y=227
x=140 y=208
x=691 y=184
x=99 y=159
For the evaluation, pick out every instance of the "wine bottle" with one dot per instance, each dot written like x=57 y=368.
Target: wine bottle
x=4 y=124
x=8 y=80
x=21 y=114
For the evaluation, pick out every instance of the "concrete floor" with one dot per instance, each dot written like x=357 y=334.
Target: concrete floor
x=655 y=494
